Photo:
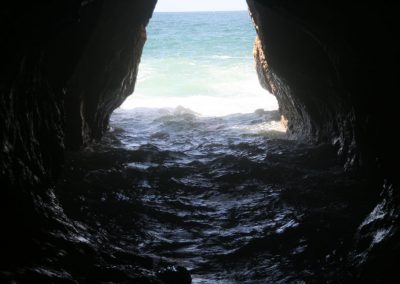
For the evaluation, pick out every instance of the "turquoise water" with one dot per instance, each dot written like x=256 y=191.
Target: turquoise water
x=202 y=61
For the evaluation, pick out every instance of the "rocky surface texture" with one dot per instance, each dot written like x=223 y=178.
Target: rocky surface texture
x=67 y=64
x=66 y=67
x=331 y=66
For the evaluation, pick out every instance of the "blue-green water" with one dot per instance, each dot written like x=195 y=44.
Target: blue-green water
x=202 y=61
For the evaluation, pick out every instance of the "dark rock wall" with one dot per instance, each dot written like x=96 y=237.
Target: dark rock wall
x=332 y=66
x=66 y=65
x=106 y=73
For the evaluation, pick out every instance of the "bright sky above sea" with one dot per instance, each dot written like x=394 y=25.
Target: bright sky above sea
x=200 y=5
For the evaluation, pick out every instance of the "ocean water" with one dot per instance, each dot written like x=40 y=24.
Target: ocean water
x=202 y=61
x=196 y=171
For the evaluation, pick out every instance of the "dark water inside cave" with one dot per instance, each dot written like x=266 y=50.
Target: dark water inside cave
x=229 y=198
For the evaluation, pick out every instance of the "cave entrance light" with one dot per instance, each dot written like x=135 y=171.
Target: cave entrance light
x=201 y=61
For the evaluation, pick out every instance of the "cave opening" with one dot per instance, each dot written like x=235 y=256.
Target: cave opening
x=197 y=91
x=199 y=63
x=202 y=61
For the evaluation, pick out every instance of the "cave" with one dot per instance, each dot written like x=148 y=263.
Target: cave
x=67 y=65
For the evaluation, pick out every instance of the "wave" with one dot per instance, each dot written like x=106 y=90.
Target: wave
x=204 y=105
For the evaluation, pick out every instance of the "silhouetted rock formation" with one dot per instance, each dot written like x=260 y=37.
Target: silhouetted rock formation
x=331 y=66
x=66 y=65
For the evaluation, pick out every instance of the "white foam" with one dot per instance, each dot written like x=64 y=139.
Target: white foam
x=205 y=105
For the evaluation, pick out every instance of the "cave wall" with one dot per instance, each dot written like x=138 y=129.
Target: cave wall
x=332 y=66
x=106 y=73
x=66 y=66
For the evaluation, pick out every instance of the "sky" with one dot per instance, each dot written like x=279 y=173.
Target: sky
x=200 y=5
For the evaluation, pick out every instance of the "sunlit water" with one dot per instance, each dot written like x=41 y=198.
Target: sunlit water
x=196 y=170
x=200 y=61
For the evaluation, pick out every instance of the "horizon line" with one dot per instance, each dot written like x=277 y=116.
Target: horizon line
x=200 y=11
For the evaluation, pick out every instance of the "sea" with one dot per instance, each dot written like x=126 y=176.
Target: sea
x=202 y=61
x=196 y=170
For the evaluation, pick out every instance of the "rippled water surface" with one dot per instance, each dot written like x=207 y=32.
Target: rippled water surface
x=229 y=198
